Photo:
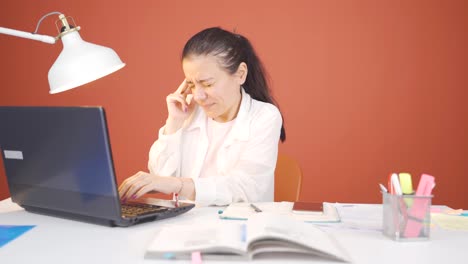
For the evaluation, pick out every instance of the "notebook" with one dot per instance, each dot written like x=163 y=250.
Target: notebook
x=263 y=236
x=58 y=162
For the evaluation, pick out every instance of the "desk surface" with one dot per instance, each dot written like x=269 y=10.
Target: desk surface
x=56 y=240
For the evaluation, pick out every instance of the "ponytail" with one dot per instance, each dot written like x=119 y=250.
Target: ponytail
x=256 y=83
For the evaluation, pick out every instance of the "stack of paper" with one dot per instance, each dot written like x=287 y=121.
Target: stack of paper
x=242 y=211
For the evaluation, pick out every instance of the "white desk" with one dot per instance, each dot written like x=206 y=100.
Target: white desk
x=56 y=240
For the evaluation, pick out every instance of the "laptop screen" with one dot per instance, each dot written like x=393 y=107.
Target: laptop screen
x=59 y=158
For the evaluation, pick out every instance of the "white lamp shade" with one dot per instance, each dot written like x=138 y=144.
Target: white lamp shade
x=81 y=62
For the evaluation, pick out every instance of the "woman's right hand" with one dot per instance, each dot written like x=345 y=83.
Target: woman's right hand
x=179 y=106
x=179 y=103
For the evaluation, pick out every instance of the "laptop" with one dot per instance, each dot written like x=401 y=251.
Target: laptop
x=58 y=162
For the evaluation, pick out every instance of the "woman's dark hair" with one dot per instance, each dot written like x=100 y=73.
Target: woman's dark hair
x=232 y=49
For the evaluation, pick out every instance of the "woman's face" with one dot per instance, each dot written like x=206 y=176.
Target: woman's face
x=213 y=88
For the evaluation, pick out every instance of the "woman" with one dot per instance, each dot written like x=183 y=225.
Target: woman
x=220 y=140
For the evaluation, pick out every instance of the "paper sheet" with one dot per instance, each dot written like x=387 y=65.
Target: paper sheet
x=11 y=232
x=451 y=222
x=359 y=217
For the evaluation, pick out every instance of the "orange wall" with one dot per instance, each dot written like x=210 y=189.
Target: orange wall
x=366 y=87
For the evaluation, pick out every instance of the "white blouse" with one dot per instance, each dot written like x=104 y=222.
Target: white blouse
x=216 y=132
x=245 y=163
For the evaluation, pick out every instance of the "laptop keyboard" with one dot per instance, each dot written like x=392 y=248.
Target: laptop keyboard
x=132 y=210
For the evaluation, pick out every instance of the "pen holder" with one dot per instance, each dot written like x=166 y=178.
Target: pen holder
x=406 y=217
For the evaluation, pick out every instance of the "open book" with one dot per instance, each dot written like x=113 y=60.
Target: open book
x=242 y=211
x=262 y=235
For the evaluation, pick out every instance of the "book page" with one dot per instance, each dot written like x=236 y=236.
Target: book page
x=268 y=232
x=216 y=238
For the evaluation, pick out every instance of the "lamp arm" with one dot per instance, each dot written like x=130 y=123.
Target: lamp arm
x=24 y=34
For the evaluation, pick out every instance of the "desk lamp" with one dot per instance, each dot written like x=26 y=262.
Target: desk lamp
x=80 y=62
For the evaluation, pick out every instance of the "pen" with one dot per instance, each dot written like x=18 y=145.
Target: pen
x=396 y=184
x=390 y=185
x=258 y=210
x=382 y=188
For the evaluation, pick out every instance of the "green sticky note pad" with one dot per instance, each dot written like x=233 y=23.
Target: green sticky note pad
x=10 y=232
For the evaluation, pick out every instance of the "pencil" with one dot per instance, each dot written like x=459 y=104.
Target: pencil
x=258 y=210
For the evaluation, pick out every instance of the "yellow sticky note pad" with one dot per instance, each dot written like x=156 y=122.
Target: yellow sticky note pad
x=406 y=183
